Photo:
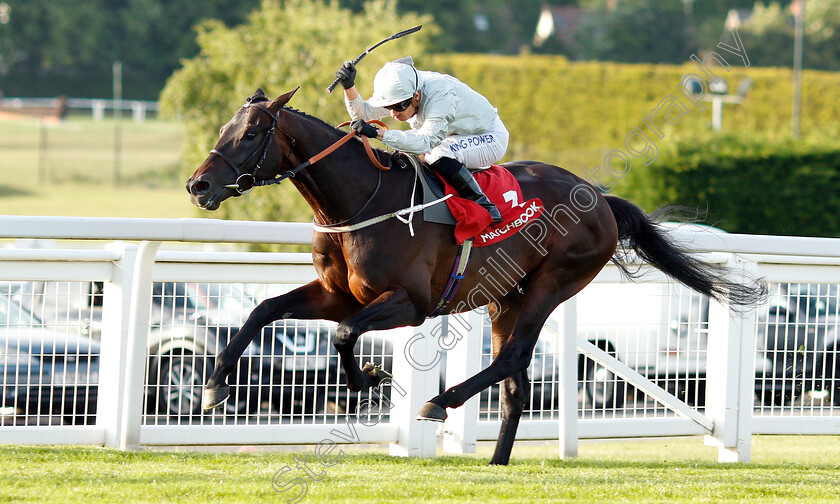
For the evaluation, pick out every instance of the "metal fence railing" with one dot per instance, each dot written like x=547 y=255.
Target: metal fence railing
x=80 y=364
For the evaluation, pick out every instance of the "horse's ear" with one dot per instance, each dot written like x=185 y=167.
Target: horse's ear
x=259 y=95
x=283 y=99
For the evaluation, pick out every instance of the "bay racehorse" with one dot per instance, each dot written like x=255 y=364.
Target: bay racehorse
x=381 y=277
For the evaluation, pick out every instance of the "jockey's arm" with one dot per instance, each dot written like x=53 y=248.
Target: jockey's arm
x=351 y=94
x=419 y=141
x=437 y=116
x=359 y=109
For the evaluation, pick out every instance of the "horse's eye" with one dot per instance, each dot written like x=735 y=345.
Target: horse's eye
x=250 y=135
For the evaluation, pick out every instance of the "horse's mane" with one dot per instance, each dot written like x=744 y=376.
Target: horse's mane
x=311 y=118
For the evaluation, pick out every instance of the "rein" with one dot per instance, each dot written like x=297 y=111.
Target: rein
x=245 y=182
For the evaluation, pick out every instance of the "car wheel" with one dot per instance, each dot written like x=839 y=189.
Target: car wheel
x=603 y=388
x=78 y=414
x=180 y=384
x=773 y=396
x=691 y=391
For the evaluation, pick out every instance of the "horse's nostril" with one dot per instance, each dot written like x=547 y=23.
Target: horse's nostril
x=198 y=188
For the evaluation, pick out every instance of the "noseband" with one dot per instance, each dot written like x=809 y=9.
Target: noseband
x=246 y=181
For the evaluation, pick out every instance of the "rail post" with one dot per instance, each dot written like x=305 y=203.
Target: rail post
x=125 y=330
x=463 y=344
x=112 y=357
x=417 y=370
x=567 y=357
x=730 y=373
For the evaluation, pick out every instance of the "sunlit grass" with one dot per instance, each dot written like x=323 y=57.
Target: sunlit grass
x=97 y=200
x=75 y=168
x=784 y=469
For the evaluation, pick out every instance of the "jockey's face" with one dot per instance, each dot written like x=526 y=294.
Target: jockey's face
x=408 y=112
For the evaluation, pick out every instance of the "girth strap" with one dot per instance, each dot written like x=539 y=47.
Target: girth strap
x=462 y=260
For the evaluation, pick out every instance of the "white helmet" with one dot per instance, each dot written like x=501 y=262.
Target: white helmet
x=393 y=83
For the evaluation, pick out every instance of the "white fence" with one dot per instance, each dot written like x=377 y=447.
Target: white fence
x=109 y=344
x=97 y=106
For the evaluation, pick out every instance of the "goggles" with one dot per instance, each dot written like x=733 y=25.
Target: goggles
x=399 y=107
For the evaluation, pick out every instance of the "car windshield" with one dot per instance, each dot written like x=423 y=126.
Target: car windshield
x=15 y=315
x=226 y=297
x=204 y=296
x=815 y=299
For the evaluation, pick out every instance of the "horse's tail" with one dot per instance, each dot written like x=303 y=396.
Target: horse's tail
x=652 y=244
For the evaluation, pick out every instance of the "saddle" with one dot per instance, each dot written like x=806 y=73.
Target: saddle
x=469 y=218
x=433 y=189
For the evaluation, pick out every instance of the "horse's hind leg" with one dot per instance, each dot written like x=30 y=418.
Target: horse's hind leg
x=310 y=301
x=544 y=293
x=515 y=392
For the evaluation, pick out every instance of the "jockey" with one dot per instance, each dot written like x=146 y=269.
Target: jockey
x=455 y=128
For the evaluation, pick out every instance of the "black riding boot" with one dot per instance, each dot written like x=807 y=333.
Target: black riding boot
x=463 y=182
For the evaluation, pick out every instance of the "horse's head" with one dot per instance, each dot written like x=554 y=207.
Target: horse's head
x=247 y=147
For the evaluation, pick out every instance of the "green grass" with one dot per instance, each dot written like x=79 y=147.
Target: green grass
x=97 y=200
x=75 y=174
x=784 y=469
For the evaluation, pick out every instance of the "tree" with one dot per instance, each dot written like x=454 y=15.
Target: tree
x=768 y=35
x=71 y=41
x=822 y=33
x=43 y=34
x=281 y=46
x=157 y=34
x=635 y=31
x=495 y=26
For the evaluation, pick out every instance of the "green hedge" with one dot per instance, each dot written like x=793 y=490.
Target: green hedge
x=752 y=177
x=748 y=186
x=571 y=113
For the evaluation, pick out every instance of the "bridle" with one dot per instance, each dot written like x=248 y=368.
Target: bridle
x=246 y=181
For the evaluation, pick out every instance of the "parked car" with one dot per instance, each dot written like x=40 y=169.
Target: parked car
x=291 y=368
x=284 y=369
x=543 y=372
x=797 y=344
x=800 y=340
x=44 y=373
x=659 y=330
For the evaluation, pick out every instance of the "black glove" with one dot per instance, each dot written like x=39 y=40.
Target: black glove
x=346 y=74
x=364 y=128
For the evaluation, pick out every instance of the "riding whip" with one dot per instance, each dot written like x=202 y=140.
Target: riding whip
x=371 y=48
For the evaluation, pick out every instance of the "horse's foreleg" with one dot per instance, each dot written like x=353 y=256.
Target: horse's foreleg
x=391 y=309
x=514 y=394
x=310 y=301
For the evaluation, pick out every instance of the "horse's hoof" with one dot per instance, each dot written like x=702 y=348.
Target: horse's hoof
x=213 y=398
x=431 y=412
x=377 y=372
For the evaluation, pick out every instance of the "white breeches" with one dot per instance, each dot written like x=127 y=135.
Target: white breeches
x=476 y=152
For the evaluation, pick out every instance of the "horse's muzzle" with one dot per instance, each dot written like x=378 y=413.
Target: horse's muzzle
x=197 y=187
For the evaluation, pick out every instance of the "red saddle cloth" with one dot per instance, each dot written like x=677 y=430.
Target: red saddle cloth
x=503 y=190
